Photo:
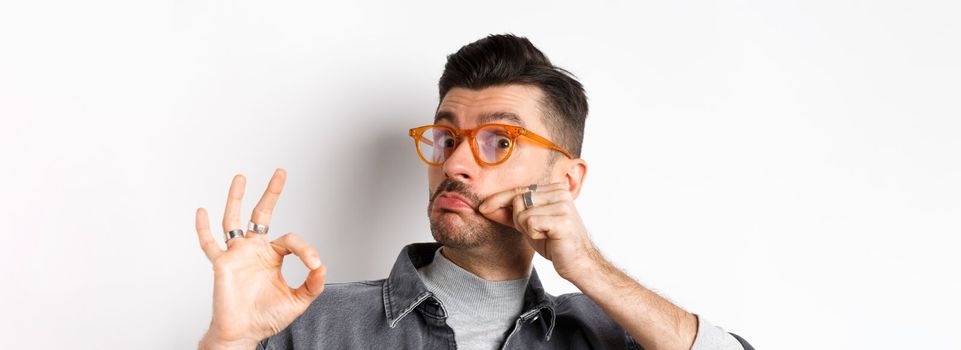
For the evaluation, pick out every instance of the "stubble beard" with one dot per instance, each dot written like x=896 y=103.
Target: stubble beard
x=462 y=230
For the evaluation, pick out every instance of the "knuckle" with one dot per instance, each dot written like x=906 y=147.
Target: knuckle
x=287 y=238
x=264 y=210
x=533 y=222
x=520 y=214
x=294 y=238
x=221 y=266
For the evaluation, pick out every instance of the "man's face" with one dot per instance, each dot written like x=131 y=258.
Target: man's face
x=461 y=184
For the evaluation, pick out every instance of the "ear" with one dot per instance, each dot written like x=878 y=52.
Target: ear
x=572 y=171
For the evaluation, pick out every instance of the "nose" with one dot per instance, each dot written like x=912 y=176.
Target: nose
x=461 y=164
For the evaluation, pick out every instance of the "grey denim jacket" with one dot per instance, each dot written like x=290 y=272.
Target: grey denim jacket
x=400 y=313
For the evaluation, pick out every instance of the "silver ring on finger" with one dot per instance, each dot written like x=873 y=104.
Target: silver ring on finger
x=257 y=228
x=528 y=200
x=233 y=234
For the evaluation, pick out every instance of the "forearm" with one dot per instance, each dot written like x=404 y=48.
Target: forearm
x=652 y=320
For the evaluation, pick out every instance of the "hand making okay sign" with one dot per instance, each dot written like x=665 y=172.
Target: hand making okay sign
x=251 y=298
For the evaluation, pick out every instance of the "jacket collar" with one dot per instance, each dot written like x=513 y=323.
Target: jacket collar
x=404 y=291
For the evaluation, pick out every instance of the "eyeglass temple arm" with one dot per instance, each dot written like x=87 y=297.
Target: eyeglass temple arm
x=421 y=138
x=545 y=142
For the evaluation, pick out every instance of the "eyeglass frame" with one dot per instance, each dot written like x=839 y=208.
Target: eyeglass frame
x=513 y=131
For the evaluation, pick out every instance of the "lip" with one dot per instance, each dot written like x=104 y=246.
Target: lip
x=453 y=202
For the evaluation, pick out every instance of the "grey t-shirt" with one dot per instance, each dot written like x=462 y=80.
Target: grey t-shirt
x=480 y=312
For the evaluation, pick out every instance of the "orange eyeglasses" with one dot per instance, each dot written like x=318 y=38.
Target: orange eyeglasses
x=491 y=144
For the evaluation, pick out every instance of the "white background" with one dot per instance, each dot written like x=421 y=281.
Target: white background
x=787 y=169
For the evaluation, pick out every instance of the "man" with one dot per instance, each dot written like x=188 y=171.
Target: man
x=504 y=170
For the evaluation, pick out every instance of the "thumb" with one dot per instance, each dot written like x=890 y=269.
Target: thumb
x=313 y=285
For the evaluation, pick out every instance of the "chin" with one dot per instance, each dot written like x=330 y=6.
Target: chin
x=452 y=230
x=458 y=230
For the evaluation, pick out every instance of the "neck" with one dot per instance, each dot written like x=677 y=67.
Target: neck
x=492 y=263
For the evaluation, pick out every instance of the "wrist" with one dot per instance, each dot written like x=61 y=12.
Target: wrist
x=211 y=341
x=587 y=270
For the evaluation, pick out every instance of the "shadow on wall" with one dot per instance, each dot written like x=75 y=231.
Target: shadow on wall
x=378 y=191
x=381 y=208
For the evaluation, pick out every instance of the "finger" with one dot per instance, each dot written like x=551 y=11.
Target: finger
x=505 y=198
x=557 y=202
x=234 y=198
x=540 y=226
x=232 y=241
x=313 y=285
x=501 y=199
x=517 y=206
x=207 y=243
x=292 y=243
x=265 y=207
x=550 y=197
x=554 y=209
x=503 y=216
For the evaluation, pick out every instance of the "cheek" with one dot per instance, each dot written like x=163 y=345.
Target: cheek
x=521 y=169
x=506 y=176
x=435 y=175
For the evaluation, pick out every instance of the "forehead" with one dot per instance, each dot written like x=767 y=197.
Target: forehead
x=508 y=104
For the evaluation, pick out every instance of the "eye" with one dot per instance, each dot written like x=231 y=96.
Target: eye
x=448 y=143
x=504 y=143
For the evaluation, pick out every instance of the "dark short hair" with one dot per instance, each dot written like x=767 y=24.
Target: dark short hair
x=506 y=59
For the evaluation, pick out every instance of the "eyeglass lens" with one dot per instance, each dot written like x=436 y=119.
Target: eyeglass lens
x=493 y=144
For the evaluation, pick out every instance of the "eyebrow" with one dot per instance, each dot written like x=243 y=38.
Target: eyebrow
x=486 y=118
